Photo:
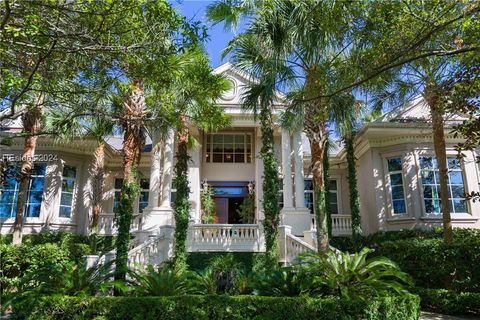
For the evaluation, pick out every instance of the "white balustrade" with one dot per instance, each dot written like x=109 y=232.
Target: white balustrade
x=296 y=246
x=151 y=252
x=341 y=224
x=225 y=237
x=107 y=227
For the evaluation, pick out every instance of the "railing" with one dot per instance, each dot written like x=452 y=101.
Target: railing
x=291 y=246
x=341 y=224
x=226 y=237
x=107 y=227
x=151 y=252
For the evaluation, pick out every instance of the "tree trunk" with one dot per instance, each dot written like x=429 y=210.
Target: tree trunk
x=353 y=192
x=133 y=143
x=437 y=112
x=97 y=173
x=318 y=138
x=181 y=205
x=32 y=124
x=271 y=185
x=326 y=179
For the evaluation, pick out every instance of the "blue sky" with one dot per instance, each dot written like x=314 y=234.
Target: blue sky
x=195 y=9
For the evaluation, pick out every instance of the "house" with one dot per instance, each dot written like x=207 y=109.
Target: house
x=397 y=183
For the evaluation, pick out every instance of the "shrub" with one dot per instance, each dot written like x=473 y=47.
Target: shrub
x=165 y=281
x=219 y=307
x=450 y=302
x=427 y=258
x=351 y=275
x=281 y=282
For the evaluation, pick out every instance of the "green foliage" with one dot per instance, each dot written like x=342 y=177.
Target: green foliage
x=221 y=307
x=200 y=261
x=164 y=281
x=279 y=282
x=353 y=192
x=352 y=275
x=181 y=207
x=208 y=204
x=450 y=302
x=427 y=259
x=247 y=209
x=123 y=219
x=271 y=186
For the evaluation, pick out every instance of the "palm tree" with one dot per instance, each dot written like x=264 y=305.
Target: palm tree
x=304 y=38
x=192 y=96
x=32 y=124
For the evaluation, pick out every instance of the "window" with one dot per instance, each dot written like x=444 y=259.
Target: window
x=117 y=193
x=431 y=186
x=332 y=196
x=144 y=189
x=9 y=194
x=229 y=148
x=68 y=188
x=397 y=194
x=143 y=197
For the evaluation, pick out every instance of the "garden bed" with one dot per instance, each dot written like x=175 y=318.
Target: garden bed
x=220 y=307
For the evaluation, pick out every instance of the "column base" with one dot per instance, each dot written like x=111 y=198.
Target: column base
x=298 y=218
x=153 y=218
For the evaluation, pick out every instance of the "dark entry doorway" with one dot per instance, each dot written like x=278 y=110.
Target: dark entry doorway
x=228 y=197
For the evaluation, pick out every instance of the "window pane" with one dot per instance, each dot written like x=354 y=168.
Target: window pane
x=427 y=177
x=395 y=164
x=399 y=206
x=66 y=199
x=396 y=179
x=8 y=197
x=69 y=172
x=397 y=193
x=456 y=177
x=37 y=183
x=228 y=138
x=308 y=185
x=228 y=148
x=5 y=211
x=118 y=183
x=217 y=148
x=218 y=138
x=333 y=184
x=65 y=212
x=239 y=158
x=143 y=196
x=458 y=192
x=144 y=183
x=228 y=157
x=308 y=200
x=333 y=208
x=68 y=185
x=426 y=163
x=239 y=139
x=33 y=210
x=39 y=169
x=453 y=163
x=35 y=197
x=217 y=157
x=460 y=206
x=141 y=206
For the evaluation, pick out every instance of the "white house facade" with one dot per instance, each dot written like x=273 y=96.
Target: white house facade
x=397 y=183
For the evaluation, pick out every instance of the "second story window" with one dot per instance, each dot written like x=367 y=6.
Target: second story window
x=228 y=148
x=397 y=194
x=68 y=190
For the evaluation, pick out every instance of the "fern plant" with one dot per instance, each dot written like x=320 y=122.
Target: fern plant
x=352 y=275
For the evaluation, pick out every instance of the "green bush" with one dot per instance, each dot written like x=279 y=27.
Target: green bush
x=424 y=255
x=199 y=261
x=219 y=307
x=450 y=302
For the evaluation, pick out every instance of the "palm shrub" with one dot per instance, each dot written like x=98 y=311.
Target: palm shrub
x=164 y=281
x=281 y=282
x=227 y=273
x=352 y=275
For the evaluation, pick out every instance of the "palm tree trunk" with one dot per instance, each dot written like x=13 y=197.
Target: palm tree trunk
x=437 y=112
x=182 y=204
x=133 y=143
x=353 y=192
x=318 y=138
x=32 y=124
x=97 y=173
x=270 y=186
x=326 y=179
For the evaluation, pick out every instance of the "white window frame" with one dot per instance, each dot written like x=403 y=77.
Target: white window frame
x=74 y=191
x=424 y=214
x=337 y=192
x=245 y=153
x=388 y=186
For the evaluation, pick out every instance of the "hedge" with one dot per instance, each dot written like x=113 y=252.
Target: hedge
x=427 y=258
x=199 y=261
x=450 y=302
x=219 y=307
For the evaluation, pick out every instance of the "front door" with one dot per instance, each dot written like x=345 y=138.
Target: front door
x=221 y=210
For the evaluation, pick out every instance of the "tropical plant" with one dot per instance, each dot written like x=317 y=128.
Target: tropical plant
x=208 y=204
x=352 y=275
x=247 y=209
x=286 y=282
x=164 y=281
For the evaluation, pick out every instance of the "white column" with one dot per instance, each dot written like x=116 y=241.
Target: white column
x=287 y=170
x=194 y=182
x=299 y=182
x=154 y=190
x=167 y=173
